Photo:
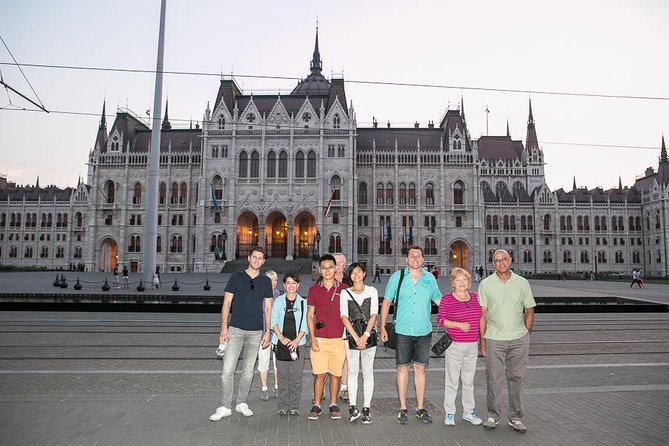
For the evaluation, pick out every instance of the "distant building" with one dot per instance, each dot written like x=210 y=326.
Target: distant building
x=296 y=174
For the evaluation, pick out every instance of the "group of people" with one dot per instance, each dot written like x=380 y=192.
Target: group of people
x=339 y=318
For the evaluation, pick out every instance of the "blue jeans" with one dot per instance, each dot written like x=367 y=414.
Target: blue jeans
x=249 y=342
x=413 y=349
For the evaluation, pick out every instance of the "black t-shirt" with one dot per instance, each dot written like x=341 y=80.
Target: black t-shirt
x=248 y=304
x=289 y=328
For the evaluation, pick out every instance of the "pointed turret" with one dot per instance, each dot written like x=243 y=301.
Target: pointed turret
x=663 y=167
x=37 y=182
x=462 y=108
x=573 y=187
x=508 y=134
x=316 y=65
x=101 y=137
x=531 y=140
x=620 y=183
x=166 y=122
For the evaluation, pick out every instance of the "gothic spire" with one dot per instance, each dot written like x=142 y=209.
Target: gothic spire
x=508 y=134
x=103 y=119
x=531 y=140
x=316 y=65
x=573 y=187
x=663 y=152
x=166 y=121
x=101 y=137
x=620 y=183
x=462 y=108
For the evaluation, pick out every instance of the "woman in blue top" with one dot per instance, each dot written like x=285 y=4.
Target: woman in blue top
x=289 y=330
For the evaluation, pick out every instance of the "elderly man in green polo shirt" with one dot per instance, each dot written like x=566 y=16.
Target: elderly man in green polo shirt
x=508 y=314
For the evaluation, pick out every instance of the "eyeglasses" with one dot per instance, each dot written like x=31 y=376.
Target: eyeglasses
x=252 y=285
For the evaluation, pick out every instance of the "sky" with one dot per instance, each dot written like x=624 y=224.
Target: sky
x=454 y=49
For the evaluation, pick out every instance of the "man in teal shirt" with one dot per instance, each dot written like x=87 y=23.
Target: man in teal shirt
x=508 y=314
x=413 y=328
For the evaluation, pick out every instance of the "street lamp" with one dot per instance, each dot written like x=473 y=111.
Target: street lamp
x=224 y=237
x=318 y=243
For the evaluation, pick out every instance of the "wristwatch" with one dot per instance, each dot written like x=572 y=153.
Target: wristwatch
x=366 y=333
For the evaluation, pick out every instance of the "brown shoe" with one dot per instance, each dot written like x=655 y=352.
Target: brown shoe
x=314 y=413
x=335 y=413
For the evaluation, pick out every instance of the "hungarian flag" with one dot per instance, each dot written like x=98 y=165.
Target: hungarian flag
x=214 y=200
x=326 y=211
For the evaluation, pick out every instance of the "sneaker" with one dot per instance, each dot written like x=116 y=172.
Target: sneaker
x=335 y=413
x=490 y=423
x=472 y=418
x=276 y=392
x=294 y=412
x=221 y=412
x=264 y=395
x=449 y=419
x=243 y=409
x=282 y=412
x=423 y=416
x=402 y=416
x=366 y=417
x=353 y=413
x=314 y=413
x=518 y=426
x=343 y=394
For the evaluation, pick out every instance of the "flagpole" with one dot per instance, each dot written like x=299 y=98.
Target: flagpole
x=149 y=266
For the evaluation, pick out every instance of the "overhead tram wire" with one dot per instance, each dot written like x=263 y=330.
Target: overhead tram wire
x=350 y=81
x=396 y=131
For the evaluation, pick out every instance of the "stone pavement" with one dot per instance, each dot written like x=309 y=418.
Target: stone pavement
x=76 y=378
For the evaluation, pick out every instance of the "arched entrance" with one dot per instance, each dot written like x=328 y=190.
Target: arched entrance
x=276 y=235
x=108 y=254
x=247 y=234
x=458 y=254
x=304 y=235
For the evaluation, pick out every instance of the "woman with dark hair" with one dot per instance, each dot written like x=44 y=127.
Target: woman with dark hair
x=289 y=329
x=359 y=303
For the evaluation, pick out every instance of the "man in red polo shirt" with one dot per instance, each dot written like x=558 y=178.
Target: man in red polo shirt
x=326 y=333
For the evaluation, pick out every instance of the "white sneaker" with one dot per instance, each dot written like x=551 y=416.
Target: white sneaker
x=243 y=409
x=472 y=418
x=221 y=412
x=449 y=419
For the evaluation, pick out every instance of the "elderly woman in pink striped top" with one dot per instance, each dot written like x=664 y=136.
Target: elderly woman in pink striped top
x=460 y=314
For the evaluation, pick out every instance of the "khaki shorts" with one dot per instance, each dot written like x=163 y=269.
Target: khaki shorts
x=330 y=358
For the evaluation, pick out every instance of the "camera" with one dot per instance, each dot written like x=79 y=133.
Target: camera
x=320 y=325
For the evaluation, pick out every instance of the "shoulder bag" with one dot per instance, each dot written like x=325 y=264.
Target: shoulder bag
x=360 y=326
x=390 y=326
x=281 y=351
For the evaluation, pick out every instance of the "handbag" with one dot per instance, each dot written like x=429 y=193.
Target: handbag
x=360 y=326
x=442 y=344
x=391 y=343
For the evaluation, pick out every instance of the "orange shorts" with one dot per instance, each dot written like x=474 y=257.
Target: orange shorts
x=330 y=358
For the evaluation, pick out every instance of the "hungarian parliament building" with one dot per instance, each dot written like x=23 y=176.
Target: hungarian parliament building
x=296 y=174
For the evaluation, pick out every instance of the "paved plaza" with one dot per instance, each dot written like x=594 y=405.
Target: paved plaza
x=83 y=378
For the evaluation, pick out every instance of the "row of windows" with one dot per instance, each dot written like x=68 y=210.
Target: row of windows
x=46 y=221
x=584 y=256
x=385 y=193
x=28 y=252
x=178 y=193
x=249 y=165
x=306 y=117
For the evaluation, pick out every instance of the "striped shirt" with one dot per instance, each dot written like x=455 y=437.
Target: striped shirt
x=453 y=310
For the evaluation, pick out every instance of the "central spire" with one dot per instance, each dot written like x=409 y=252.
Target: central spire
x=316 y=65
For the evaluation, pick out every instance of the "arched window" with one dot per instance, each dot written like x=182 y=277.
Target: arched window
x=430 y=246
x=547 y=222
x=243 y=164
x=174 y=193
x=80 y=219
x=548 y=257
x=412 y=194
x=336 y=121
x=569 y=224
x=585 y=257
x=603 y=221
x=311 y=164
x=111 y=191
x=380 y=190
x=183 y=193
x=527 y=256
x=137 y=194
x=429 y=194
x=523 y=223
x=299 y=164
x=283 y=164
x=271 y=164
x=488 y=222
x=389 y=193
x=621 y=224
x=403 y=193
x=221 y=122
x=458 y=192
x=44 y=252
x=177 y=244
x=162 y=193
x=255 y=165
x=566 y=257
x=159 y=244
x=513 y=222
x=362 y=193
x=530 y=223
x=506 y=223
x=335 y=244
x=495 y=222
x=335 y=188
x=562 y=223
x=363 y=245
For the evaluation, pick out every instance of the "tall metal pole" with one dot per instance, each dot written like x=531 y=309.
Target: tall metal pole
x=153 y=168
